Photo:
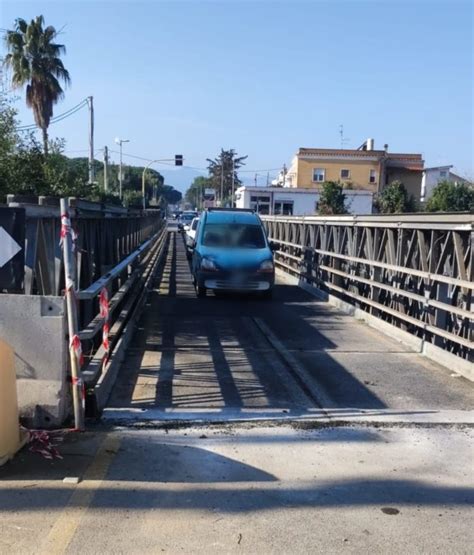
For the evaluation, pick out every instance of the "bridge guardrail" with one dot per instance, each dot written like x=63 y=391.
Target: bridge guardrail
x=114 y=253
x=413 y=271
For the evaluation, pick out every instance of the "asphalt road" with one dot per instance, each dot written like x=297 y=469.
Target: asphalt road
x=235 y=489
x=309 y=433
x=241 y=356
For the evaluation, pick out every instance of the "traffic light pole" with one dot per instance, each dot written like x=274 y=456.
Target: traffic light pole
x=178 y=161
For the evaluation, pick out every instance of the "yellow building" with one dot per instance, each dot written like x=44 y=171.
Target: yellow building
x=364 y=168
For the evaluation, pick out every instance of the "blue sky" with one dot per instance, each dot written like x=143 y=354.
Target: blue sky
x=265 y=77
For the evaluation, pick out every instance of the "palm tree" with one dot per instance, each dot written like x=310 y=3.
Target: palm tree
x=35 y=62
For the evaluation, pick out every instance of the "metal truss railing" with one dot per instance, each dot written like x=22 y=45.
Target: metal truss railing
x=413 y=271
x=104 y=236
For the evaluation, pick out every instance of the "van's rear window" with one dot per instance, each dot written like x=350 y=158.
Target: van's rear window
x=233 y=235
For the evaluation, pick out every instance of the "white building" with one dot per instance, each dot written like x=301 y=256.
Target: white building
x=433 y=176
x=296 y=202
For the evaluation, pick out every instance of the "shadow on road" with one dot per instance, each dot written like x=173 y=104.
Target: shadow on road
x=207 y=353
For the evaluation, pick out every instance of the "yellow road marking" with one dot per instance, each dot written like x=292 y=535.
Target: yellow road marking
x=68 y=522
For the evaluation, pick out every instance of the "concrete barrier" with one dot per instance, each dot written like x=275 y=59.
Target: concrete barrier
x=35 y=327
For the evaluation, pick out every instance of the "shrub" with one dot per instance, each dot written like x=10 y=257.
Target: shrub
x=332 y=199
x=395 y=199
x=451 y=197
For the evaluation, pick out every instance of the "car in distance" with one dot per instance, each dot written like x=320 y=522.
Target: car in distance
x=191 y=236
x=185 y=220
x=232 y=253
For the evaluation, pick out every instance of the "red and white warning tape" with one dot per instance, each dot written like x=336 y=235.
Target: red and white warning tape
x=76 y=346
x=79 y=382
x=104 y=313
x=45 y=443
x=65 y=227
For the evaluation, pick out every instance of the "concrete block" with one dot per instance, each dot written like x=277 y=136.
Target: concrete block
x=36 y=327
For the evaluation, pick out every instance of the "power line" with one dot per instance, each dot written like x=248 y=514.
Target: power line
x=192 y=167
x=58 y=118
x=257 y=171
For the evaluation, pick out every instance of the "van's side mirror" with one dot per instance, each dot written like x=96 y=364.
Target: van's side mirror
x=274 y=246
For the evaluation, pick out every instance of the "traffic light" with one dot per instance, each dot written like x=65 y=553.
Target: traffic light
x=178 y=159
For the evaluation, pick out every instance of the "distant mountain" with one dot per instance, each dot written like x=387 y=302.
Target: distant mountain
x=179 y=178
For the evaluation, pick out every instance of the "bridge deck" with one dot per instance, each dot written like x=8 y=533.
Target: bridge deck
x=217 y=355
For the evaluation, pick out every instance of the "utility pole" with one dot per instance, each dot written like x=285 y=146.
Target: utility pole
x=233 y=182
x=222 y=178
x=255 y=180
x=268 y=179
x=90 y=103
x=284 y=175
x=120 y=142
x=106 y=169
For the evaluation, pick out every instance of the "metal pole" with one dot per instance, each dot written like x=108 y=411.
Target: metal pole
x=233 y=182
x=73 y=328
x=120 y=172
x=106 y=169
x=143 y=185
x=143 y=181
x=91 y=139
x=222 y=179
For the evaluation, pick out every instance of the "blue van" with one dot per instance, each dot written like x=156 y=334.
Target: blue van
x=232 y=253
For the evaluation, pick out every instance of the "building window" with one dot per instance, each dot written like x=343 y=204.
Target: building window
x=260 y=203
x=345 y=174
x=318 y=175
x=443 y=174
x=283 y=208
x=372 y=176
x=259 y=198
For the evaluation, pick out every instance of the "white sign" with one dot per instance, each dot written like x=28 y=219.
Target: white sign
x=8 y=247
x=209 y=192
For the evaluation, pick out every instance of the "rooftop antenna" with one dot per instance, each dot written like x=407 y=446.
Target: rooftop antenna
x=343 y=139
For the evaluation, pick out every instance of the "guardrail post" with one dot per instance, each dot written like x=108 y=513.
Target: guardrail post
x=75 y=350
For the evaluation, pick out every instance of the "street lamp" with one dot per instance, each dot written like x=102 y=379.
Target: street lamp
x=143 y=180
x=119 y=141
x=178 y=161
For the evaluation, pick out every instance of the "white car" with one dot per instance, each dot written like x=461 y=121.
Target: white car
x=191 y=235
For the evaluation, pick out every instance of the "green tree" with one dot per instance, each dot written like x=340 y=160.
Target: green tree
x=451 y=197
x=35 y=61
x=132 y=199
x=195 y=192
x=395 y=199
x=8 y=141
x=332 y=199
x=220 y=172
x=25 y=170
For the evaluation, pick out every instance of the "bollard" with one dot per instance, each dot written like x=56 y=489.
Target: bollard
x=11 y=439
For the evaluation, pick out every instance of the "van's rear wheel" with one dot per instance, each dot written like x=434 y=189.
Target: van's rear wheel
x=201 y=291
